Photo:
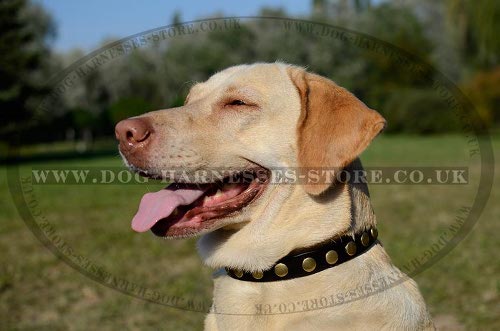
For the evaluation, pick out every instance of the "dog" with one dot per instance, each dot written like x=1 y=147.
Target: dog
x=300 y=255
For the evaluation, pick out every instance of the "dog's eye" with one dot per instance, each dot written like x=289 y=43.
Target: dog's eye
x=236 y=103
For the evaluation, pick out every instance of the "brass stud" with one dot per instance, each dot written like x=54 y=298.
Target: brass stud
x=365 y=239
x=238 y=273
x=350 y=248
x=257 y=274
x=281 y=270
x=331 y=257
x=374 y=233
x=309 y=264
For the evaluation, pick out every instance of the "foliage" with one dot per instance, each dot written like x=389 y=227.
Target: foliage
x=160 y=76
x=128 y=107
x=476 y=27
x=23 y=63
x=484 y=91
x=418 y=111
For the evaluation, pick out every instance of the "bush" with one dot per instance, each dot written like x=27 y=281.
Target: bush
x=419 y=111
x=128 y=107
x=484 y=92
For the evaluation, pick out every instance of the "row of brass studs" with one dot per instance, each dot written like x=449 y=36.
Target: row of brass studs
x=309 y=264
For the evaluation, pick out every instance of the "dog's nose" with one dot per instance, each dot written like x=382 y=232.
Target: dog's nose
x=133 y=131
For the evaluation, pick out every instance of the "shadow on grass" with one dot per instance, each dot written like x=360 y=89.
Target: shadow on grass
x=51 y=156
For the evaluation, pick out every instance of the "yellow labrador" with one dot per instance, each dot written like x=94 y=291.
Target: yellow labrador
x=294 y=255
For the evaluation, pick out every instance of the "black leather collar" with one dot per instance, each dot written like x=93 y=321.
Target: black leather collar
x=328 y=255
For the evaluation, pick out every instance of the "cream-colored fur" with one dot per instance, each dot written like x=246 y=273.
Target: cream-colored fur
x=204 y=133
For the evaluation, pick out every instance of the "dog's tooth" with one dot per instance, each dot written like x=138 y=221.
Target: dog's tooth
x=218 y=193
x=175 y=212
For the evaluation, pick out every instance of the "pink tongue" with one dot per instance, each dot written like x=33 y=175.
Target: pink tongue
x=158 y=205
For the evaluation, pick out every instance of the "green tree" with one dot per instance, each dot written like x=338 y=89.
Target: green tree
x=24 y=63
x=128 y=107
x=476 y=30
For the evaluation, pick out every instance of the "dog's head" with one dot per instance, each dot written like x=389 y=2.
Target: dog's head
x=241 y=123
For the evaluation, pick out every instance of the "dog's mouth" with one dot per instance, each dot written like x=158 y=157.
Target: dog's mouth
x=184 y=210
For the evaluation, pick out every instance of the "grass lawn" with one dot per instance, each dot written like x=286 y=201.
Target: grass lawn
x=40 y=292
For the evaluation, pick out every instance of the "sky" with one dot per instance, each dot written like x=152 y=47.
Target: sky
x=84 y=24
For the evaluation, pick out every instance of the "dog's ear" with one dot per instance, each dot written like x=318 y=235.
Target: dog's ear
x=334 y=126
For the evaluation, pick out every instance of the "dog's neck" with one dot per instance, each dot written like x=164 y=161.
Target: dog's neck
x=361 y=208
x=279 y=228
